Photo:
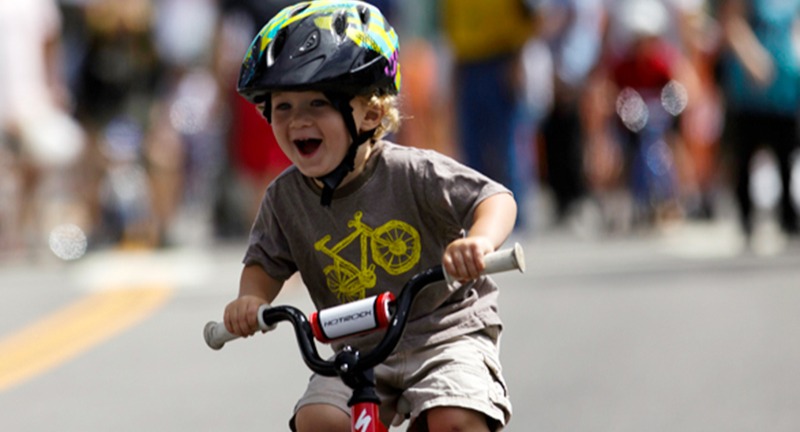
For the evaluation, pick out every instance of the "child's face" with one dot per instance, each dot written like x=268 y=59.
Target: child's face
x=311 y=132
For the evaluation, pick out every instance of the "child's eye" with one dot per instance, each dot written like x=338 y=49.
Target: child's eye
x=319 y=103
x=281 y=106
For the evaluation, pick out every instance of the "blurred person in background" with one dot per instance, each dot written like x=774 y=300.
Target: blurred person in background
x=486 y=39
x=253 y=158
x=425 y=97
x=425 y=105
x=39 y=140
x=184 y=148
x=573 y=31
x=760 y=78
x=646 y=77
x=701 y=122
x=116 y=85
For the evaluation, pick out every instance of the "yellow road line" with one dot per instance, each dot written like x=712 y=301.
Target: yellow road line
x=74 y=329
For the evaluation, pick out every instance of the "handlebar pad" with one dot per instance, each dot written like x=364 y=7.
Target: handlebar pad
x=503 y=260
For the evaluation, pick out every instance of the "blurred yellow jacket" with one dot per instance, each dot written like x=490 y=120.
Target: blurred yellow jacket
x=482 y=29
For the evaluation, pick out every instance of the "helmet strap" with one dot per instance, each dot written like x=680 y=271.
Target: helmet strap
x=333 y=179
x=267 y=111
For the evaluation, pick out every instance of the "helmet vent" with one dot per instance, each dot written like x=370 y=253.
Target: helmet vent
x=340 y=24
x=276 y=47
x=363 y=13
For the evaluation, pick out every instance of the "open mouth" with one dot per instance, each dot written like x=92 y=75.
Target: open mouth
x=307 y=146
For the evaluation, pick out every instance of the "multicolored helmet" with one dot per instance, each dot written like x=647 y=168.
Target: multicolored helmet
x=343 y=46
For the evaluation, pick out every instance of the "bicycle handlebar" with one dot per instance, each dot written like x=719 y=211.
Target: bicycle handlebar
x=216 y=335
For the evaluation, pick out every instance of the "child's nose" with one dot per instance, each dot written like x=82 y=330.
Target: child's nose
x=300 y=117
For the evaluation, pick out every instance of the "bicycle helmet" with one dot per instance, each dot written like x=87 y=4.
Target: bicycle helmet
x=340 y=48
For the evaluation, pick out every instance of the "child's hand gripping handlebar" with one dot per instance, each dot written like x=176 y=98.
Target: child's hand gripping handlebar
x=499 y=261
x=216 y=335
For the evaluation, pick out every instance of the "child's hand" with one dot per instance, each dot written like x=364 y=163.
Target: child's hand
x=463 y=258
x=241 y=315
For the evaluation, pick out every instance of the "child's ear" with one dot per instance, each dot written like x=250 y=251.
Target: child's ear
x=372 y=117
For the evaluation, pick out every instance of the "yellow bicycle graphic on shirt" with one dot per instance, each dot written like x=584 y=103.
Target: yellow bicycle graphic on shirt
x=395 y=247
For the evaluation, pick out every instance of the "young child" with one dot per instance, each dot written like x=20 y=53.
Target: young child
x=356 y=216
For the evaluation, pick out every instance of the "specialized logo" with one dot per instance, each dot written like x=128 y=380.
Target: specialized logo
x=394 y=246
x=363 y=421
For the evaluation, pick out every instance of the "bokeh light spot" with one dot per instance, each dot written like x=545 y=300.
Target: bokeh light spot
x=68 y=242
x=632 y=109
x=674 y=97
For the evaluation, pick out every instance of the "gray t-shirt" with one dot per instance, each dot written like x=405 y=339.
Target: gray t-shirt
x=383 y=227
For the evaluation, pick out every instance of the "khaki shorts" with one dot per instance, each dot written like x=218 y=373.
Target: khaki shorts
x=463 y=372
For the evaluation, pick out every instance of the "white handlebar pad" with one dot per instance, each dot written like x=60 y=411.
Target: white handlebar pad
x=499 y=261
x=216 y=334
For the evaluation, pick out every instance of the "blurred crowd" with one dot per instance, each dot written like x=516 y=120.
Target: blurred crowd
x=120 y=125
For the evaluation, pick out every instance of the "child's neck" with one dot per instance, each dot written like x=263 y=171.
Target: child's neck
x=362 y=156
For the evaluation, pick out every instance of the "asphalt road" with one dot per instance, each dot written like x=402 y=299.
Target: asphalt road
x=678 y=331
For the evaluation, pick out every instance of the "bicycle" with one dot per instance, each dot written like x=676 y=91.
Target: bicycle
x=382 y=311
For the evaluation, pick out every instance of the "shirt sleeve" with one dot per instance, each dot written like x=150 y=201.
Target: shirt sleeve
x=454 y=190
x=268 y=246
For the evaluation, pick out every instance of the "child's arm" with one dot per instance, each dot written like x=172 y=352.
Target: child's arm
x=256 y=287
x=493 y=221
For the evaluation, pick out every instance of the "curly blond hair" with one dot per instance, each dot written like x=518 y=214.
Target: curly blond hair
x=388 y=105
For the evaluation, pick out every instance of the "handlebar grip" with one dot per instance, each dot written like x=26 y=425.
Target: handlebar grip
x=512 y=258
x=216 y=335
